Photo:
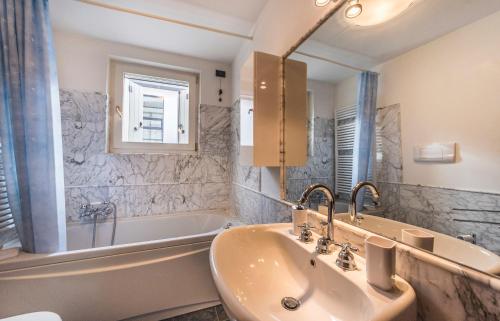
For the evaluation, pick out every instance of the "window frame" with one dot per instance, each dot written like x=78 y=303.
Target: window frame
x=117 y=70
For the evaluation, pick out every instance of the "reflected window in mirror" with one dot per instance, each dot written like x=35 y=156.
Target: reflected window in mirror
x=246 y=121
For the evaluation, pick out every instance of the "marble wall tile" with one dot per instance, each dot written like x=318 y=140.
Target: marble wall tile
x=443 y=210
x=113 y=169
x=320 y=166
x=141 y=184
x=442 y=295
x=81 y=140
x=445 y=290
x=389 y=200
x=201 y=168
x=82 y=106
x=162 y=199
x=249 y=176
x=215 y=195
x=447 y=211
x=295 y=187
x=215 y=129
x=142 y=200
x=389 y=164
x=253 y=207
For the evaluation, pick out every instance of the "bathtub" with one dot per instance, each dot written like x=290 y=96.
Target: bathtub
x=158 y=268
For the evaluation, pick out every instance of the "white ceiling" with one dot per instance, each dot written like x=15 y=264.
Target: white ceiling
x=247 y=9
x=324 y=71
x=77 y=17
x=369 y=46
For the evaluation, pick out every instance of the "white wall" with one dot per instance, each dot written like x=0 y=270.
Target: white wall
x=280 y=25
x=449 y=91
x=82 y=64
x=346 y=92
x=323 y=96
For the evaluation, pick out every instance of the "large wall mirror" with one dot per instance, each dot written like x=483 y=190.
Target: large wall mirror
x=406 y=94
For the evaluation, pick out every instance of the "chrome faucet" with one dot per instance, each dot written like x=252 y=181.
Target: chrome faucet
x=326 y=242
x=354 y=194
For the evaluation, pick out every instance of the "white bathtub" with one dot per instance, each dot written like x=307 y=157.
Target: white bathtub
x=158 y=268
x=144 y=229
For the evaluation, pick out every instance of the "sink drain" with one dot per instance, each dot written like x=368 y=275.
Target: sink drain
x=290 y=303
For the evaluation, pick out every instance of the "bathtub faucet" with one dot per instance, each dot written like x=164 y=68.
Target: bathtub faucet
x=90 y=210
x=93 y=211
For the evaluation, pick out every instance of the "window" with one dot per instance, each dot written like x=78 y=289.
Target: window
x=246 y=121
x=154 y=108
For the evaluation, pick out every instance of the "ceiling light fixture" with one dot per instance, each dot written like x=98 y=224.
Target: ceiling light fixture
x=354 y=9
x=322 y=3
x=376 y=12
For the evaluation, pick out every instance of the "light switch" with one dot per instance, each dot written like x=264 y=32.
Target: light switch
x=436 y=152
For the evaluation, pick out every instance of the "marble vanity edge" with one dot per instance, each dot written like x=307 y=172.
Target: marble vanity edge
x=263 y=194
x=454 y=268
x=440 y=187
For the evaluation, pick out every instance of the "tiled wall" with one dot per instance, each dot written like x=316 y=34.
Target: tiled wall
x=320 y=163
x=444 y=210
x=142 y=184
x=447 y=211
x=248 y=176
x=247 y=201
x=445 y=290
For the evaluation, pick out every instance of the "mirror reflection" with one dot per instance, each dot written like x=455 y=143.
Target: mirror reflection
x=410 y=103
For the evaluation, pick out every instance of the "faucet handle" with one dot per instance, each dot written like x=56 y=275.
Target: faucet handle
x=345 y=259
x=305 y=233
x=348 y=247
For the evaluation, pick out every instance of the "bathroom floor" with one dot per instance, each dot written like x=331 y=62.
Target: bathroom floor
x=216 y=313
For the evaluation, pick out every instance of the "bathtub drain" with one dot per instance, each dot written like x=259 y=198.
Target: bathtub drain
x=290 y=303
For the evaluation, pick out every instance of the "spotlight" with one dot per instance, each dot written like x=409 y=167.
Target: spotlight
x=322 y=3
x=354 y=9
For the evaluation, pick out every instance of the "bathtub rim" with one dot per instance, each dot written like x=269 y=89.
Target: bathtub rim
x=28 y=260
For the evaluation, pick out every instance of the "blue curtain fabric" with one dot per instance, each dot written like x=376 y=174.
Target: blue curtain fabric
x=365 y=130
x=30 y=127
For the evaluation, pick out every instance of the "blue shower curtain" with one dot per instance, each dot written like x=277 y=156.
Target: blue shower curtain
x=365 y=130
x=30 y=127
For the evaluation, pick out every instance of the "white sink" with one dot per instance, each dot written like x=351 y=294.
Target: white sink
x=254 y=267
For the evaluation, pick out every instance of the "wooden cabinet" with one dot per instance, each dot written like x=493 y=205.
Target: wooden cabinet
x=296 y=113
x=261 y=84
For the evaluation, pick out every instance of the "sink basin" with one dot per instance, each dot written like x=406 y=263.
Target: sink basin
x=255 y=267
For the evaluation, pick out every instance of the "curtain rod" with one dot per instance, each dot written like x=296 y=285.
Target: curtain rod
x=330 y=61
x=165 y=19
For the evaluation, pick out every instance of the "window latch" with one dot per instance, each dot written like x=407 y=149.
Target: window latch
x=136 y=128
